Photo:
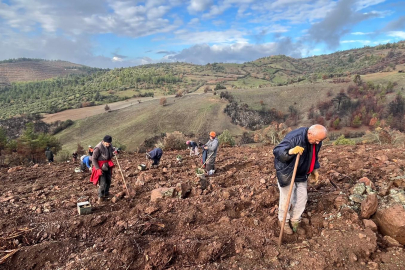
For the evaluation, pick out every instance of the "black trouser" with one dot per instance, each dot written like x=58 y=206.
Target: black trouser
x=104 y=183
x=83 y=167
x=156 y=161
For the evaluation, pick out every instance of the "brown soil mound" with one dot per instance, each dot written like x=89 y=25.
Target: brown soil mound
x=231 y=224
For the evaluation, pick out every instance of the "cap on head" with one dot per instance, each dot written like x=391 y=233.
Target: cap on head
x=187 y=142
x=89 y=146
x=107 y=139
x=213 y=134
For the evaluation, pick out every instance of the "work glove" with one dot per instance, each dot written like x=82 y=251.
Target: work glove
x=296 y=150
x=314 y=177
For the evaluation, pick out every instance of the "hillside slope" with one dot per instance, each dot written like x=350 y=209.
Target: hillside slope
x=176 y=78
x=26 y=70
x=194 y=114
x=228 y=221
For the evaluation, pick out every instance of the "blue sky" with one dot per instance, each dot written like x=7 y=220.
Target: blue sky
x=121 y=33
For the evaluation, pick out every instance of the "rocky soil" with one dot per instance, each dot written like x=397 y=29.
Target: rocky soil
x=173 y=220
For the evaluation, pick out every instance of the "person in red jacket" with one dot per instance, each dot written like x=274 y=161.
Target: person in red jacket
x=102 y=167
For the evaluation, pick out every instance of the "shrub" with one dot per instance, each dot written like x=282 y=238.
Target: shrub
x=219 y=87
x=343 y=141
x=106 y=108
x=119 y=145
x=62 y=156
x=173 y=141
x=80 y=150
x=384 y=136
x=226 y=138
x=163 y=101
x=273 y=134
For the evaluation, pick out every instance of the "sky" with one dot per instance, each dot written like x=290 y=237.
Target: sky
x=122 y=33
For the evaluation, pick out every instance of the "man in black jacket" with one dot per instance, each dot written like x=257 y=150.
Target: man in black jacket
x=307 y=142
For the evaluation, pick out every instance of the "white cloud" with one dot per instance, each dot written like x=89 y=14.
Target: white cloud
x=397 y=34
x=117 y=59
x=236 y=53
x=199 y=5
x=361 y=33
x=227 y=37
x=194 y=21
x=356 y=41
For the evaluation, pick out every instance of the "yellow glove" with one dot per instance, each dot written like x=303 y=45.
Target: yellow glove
x=296 y=150
x=314 y=177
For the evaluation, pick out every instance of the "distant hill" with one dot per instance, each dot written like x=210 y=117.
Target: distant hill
x=78 y=90
x=27 y=69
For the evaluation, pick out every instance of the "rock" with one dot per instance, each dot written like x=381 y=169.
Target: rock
x=369 y=206
x=161 y=193
x=391 y=222
x=120 y=195
x=35 y=166
x=370 y=224
x=263 y=181
x=340 y=201
x=164 y=170
x=391 y=242
x=367 y=182
x=151 y=209
x=183 y=190
x=356 y=198
x=226 y=195
x=358 y=189
x=114 y=199
x=352 y=257
x=224 y=219
x=14 y=169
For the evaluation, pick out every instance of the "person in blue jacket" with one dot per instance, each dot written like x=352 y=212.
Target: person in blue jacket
x=85 y=163
x=155 y=155
x=307 y=142
x=193 y=146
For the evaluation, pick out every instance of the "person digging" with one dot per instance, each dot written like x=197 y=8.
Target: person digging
x=305 y=142
x=102 y=167
x=211 y=148
x=155 y=155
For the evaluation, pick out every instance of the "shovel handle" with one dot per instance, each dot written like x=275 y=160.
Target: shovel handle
x=206 y=160
x=123 y=179
x=280 y=239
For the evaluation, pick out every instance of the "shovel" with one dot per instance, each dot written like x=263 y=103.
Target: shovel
x=206 y=160
x=123 y=179
x=280 y=239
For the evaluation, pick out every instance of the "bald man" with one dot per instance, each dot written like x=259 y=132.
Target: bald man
x=307 y=142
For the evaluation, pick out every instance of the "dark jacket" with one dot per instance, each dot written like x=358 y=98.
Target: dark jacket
x=284 y=163
x=192 y=144
x=49 y=154
x=156 y=153
x=100 y=153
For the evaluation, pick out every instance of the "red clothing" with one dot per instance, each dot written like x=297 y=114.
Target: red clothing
x=95 y=174
x=311 y=167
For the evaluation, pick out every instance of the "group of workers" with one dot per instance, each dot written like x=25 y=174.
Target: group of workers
x=303 y=141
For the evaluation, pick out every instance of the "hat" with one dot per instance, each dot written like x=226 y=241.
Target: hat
x=213 y=134
x=82 y=157
x=107 y=139
x=89 y=146
x=187 y=142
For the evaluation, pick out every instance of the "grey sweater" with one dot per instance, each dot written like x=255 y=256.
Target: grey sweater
x=212 y=147
x=101 y=153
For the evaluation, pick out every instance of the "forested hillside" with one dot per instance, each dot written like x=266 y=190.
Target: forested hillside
x=96 y=86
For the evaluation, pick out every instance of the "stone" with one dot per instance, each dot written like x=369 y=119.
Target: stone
x=356 y=198
x=114 y=199
x=160 y=193
x=391 y=222
x=366 y=182
x=368 y=223
x=183 y=190
x=352 y=257
x=224 y=219
x=263 y=181
x=226 y=195
x=340 y=201
x=164 y=170
x=35 y=166
x=358 y=189
x=369 y=206
x=391 y=242
x=14 y=169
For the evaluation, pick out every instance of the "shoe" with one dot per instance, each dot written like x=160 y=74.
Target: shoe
x=100 y=200
x=287 y=228
x=295 y=226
